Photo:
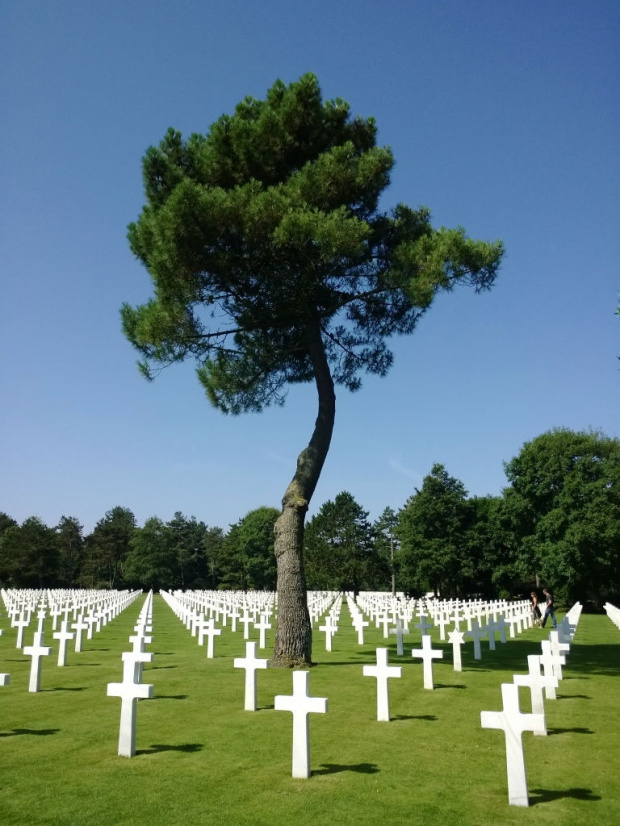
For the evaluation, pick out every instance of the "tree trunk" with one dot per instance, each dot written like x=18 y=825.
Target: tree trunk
x=293 y=646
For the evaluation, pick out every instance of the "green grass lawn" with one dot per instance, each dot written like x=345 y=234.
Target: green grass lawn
x=202 y=759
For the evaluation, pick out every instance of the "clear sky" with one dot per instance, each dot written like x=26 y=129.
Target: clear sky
x=503 y=118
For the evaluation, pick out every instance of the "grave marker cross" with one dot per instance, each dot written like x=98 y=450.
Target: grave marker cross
x=427 y=654
x=301 y=704
x=382 y=671
x=513 y=723
x=251 y=663
x=129 y=692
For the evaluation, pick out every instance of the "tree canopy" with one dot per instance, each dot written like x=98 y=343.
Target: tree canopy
x=272 y=264
x=564 y=504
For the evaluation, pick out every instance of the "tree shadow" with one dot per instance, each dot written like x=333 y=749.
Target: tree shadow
x=41 y=732
x=547 y=796
x=334 y=768
x=188 y=748
x=570 y=730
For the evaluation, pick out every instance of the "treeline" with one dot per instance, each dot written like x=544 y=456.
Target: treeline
x=557 y=523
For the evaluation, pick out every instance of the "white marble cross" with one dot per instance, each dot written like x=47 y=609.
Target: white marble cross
x=36 y=651
x=501 y=625
x=457 y=638
x=427 y=654
x=552 y=666
x=64 y=635
x=246 y=621
x=301 y=704
x=400 y=632
x=21 y=624
x=476 y=634
x=513 y=723
x=442 y=620
x=263 y=626
x=211 y=632
x=382 y=671
x=535 y=681
x=423 y=625
x=330 y=630
x=129 y=692
x=41 y=614
x=78 y=627
x=251 y=663
x=558 y=649
x=359 y=623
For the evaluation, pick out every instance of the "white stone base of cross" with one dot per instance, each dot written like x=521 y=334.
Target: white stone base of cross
x=301 y=704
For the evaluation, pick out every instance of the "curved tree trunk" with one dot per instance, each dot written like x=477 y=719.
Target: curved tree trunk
x=293 y=645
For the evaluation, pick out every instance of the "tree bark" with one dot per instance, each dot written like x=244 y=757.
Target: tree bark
x=293 y=646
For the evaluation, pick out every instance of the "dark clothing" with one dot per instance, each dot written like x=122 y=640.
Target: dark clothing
x=549 y=612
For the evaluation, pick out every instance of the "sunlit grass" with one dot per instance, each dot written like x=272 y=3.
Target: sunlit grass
x=202 y=759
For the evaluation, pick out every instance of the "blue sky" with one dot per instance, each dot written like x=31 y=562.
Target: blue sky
x=503 y=118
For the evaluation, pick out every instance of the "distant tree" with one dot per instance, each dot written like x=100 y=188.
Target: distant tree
x=152 y=559
x=564 y=502
x=70 y=551
x=247 y=559
x=29 y=555
x=489 y=548
x=188 y=539
x=339 y=547
x=6 y=521
x=431 y=527
x=213 y=544
x=272 y=265
x=106 y=549
x=387 y=543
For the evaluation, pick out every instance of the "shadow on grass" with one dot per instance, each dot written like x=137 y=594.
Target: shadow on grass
x=444 y=685
x=81 y=665
x=88 y=650
x=334 y=768
x=171 y=697
x=547 y=796
x=41 y=732
x=61 y=688
x=265 y=708
x=569 y=730
x=430 y=717
x=188 y=748
x=573 y=697
x=161 y=667
x=594 y=659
